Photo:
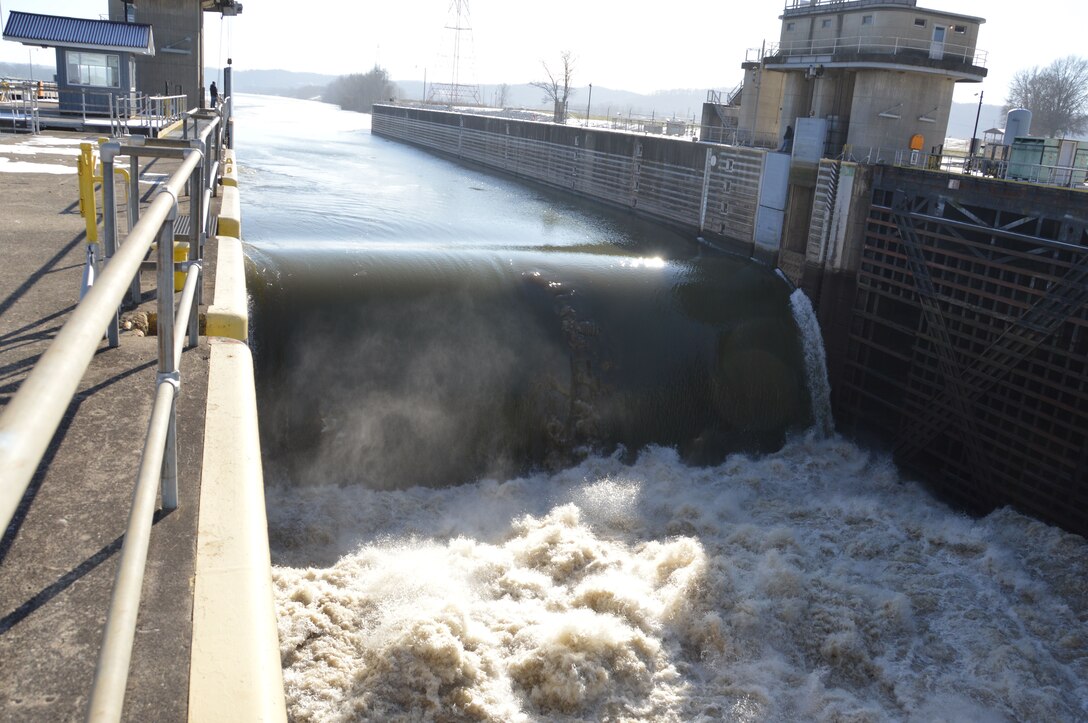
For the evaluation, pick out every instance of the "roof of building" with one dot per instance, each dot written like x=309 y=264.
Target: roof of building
x=56 y=31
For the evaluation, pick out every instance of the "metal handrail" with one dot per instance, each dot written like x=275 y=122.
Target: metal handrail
x=962 y=162
x=31 y=418
x=803 y=5
x=876 y=44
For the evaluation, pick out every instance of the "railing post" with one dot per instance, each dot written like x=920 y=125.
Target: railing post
x=167 y=371
x=196 y=230
x=135 y=294
x=108 y=153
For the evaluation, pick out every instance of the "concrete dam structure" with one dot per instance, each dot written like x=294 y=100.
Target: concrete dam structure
x=953 y=306
x=725 y=192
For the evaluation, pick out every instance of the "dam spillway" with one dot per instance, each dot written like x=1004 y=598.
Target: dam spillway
x=405 y=366
x=810 y=581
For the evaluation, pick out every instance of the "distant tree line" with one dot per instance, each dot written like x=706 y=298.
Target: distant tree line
x=360 y=91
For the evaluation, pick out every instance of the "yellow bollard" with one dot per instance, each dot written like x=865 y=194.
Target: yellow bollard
x=87 y=207
x=181 y=255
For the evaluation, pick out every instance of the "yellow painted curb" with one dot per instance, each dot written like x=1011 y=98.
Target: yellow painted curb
x=228 y=314
x=229 y=177
x=230 y=213
x=235 y=672
x=167 y=131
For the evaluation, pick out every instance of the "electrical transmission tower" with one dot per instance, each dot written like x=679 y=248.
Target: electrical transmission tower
x=456 y=92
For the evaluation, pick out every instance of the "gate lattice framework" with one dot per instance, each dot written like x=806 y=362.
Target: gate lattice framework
x=969 y=347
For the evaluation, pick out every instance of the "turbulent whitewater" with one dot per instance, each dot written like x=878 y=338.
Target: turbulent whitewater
x=811 y=584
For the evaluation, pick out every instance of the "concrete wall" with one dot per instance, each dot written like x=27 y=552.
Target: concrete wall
x=177 y=67
x=704 y=188
x=761 y=102
x=911 y=96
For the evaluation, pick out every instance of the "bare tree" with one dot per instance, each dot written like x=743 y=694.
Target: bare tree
x=501 y=94
x=1056 y=95
x=557 y=87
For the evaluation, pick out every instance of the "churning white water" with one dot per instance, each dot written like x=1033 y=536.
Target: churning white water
x=811 y=584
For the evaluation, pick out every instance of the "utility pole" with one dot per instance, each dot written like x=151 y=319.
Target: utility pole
x=974 y=133
x=589 y=104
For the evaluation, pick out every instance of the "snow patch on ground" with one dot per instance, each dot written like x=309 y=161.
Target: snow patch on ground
x=9 y=166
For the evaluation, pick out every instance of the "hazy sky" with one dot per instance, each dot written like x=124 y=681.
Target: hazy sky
x=621 y=46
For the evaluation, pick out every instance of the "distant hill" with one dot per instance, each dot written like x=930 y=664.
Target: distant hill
x=22 y=71
x=961 y=119
x=685 y=103
x=274 y=82
x=682 y=103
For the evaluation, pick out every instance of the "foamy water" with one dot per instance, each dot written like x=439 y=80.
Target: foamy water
x=811 y=584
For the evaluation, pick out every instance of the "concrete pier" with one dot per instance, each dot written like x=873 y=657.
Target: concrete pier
x=61 y=551
x=58 y=557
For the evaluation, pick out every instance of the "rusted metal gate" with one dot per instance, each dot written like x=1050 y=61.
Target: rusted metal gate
x=969 y=347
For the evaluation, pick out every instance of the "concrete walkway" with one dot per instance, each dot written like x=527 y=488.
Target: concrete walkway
x=58 y=557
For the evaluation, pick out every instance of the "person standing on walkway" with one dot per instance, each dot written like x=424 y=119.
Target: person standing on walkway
x=215 y=95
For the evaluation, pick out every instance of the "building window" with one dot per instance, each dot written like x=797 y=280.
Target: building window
x=920 y=22
x=825 y=23
x=961 y=29
x=866 y=19
x=98 y=70
x=789 y=27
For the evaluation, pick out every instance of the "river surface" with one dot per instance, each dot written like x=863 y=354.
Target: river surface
x=531 y=460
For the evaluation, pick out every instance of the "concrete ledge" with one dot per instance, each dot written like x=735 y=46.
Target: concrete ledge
x=228 y=314
x=230 y=213
x=229 y=164
x=235 y=669
x=229 y=176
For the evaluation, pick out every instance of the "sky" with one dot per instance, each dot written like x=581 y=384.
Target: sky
x=619 y=46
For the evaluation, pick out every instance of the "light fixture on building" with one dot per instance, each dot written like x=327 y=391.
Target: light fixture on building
x=892 y=112
x=177 y=46
x=925 y=117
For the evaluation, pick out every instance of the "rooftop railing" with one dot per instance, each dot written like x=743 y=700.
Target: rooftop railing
x=802 y=51
x=794 y=6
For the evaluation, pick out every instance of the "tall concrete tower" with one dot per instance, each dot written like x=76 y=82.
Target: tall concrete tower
x=177 y=68
x=879 y=72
